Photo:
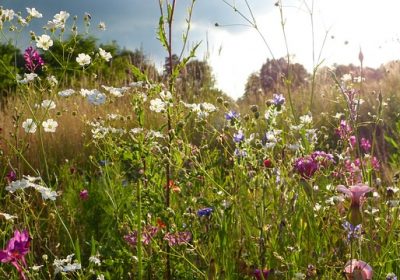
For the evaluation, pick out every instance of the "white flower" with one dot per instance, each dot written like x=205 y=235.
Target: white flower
x=166 y=95
x=52 y=80
x=84 y=92
x=7 y=14
x=105 y=55
x=155 y=134
x=306 y=119
x=44 y=42
x=27 y=78
x=100 y=277
x=346 y=78
x=118 y=92
x=102 y=26
x=36 y=267
x=29 y=126
x=157 y=105
x=62 y=16
x=48 y=104
x=34 y=13
x=95 y=97
x=50 y=125
x=46 y=193
x=18 y=185
x=65 y=265
x=95 y=260
x=8 y=216
x=83 y=59
x=136 y=130
x=66 y=93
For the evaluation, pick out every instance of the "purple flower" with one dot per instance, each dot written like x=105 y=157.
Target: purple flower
x=231 y=115
x=322 y=158
x=178 y=238
x=17 y=248
x=32 y=59
x=84 y=194
x=278 y=99
x=238 y=137
x=240 y=153
x=353 y=232
x=265 y=273
x=205 y=212
x=306 y=166
x=365 y=144
x=11 y=176
x=147 y=235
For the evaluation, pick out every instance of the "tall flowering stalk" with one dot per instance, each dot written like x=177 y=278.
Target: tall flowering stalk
x=15 y=251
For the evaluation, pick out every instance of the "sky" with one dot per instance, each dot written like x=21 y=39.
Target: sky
x=233 y=48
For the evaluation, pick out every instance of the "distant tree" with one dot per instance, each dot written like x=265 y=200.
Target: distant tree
x=274 y=72
x=253 y=91
x=11 y=63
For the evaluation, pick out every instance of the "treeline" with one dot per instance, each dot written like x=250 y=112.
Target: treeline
x=195 y=83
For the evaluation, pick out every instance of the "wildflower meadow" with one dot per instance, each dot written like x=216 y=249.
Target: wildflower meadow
x=113 y=169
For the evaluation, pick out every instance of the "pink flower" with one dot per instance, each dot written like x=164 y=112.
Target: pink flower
x=17 y=248
x=358 y=270
x=84 y=194
x=356 y=193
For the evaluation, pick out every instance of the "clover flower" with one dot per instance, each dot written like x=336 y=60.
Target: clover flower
x=44 y=42
x=15 y=251
x=306 y=166
x=33 y=60
x=357 y=269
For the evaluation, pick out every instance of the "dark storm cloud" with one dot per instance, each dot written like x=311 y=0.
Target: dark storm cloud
x=133 y=24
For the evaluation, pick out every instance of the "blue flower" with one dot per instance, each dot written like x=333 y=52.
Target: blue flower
x=353 y=232
x=278 y=99
x=231 y=115
x=205 y=212
x=238 y=137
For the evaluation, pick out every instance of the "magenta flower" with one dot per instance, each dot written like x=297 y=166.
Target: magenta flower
x=358 y=270
x=265 y=273
x=33 y=59
x=356 y=193
x=84 y=194
x=365 y=144
x=17 y=248
x=178 y=238
x=306 y=166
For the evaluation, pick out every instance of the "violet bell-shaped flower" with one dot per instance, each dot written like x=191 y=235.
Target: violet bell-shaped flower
x=357 y=195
